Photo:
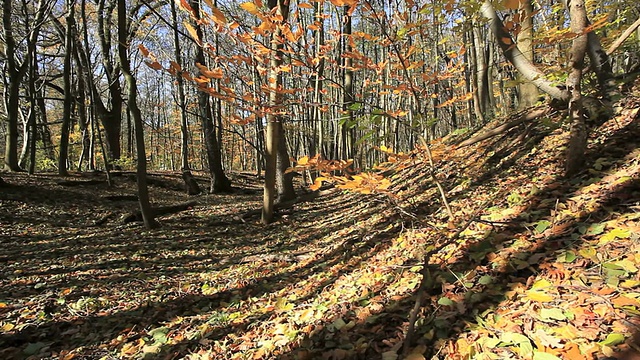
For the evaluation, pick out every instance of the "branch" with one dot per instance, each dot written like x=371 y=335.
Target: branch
x=625 y=35
x=502 y=128
x=525 y=67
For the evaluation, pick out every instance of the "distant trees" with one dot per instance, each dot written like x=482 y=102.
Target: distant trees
x=235 y=84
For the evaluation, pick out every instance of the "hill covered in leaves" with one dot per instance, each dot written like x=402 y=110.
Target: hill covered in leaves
x=531 y=265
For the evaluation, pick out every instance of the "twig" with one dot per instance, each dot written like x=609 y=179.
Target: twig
x=432 y=167
x=426 y=274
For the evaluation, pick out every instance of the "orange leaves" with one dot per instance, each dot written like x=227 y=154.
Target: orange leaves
x=210 y=74
x=250 y=7
x=184 y=5
x=192 y=31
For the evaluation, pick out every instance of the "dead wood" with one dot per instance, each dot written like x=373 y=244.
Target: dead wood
x=502 y=128
x=158 y=211
x=103 y=219
x=121 y=197
x=289 y=204
x=190 y=183
x=80 y=182
x=155 y=181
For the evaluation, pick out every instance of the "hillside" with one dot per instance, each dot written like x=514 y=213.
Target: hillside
x=532 y=265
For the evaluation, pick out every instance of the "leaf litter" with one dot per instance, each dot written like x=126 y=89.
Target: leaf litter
x=546 y=269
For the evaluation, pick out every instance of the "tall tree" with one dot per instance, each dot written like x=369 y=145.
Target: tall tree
x=280 y=14
x=17 y=65
x=219 y=181
x=69 y=99
x=527 y=92
x=110 y=115
x=132 y=89
x=190 y=183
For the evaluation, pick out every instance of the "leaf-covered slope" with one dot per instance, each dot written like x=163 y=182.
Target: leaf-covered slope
x=546 y=268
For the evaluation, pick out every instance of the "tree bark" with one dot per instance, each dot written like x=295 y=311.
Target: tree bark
x=527 y=91
x=148 y=215
x=528 y=70
x=219 y=181
x=578 y=136
x=16 y=72
x=274 y=119
x=63 y=150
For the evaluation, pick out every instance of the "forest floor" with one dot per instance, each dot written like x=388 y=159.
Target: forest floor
x=531 y=266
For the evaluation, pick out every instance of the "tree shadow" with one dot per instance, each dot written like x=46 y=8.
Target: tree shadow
x=73 y=289
x=438 y=320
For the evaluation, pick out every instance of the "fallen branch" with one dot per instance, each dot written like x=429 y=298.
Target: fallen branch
x=121 y=197
x=288 y=204
x=162 y=210
x=80 y=182
x=502 y=128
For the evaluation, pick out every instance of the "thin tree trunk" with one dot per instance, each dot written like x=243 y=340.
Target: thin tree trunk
x=274 y=120
x=578 y=137
x=63 y=150
x=141 y=168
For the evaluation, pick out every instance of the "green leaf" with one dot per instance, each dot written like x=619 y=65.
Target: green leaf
x=445 y=301
x=33 y=348
x=355 y=106
x=568 y=257
x=595 y=229
x=613 y=339
x=552 y=314
x=537 y=355
x=485 y=280
x=542 y=226
x=160 y=334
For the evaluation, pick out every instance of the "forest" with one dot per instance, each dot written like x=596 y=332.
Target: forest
x=320 y=179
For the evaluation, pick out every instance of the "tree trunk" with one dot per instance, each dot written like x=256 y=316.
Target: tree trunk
x=219 y=181
x=274 y=120
x=284 y=181
x=63 y=151
x=141 y=168
x=111 y=118
x=527 y=92
x=578 y=137
x=526 y=68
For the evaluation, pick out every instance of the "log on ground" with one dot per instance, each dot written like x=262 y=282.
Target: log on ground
x=158 y=211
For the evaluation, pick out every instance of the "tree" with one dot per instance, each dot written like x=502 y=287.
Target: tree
x=17 y=70
x=68 y=96
x=527 y=92
x=132 y=88
x=190 y=183
x=219 y=181
x=280 y=10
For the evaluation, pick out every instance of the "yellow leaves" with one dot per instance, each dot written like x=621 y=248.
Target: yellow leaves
x=317 y=183
x=305 y=6
x=283 y=305
x=613 y=235
x=218 y=16
x=538 y=292
x=511 y=4
x=250 y=7
x=192 y=31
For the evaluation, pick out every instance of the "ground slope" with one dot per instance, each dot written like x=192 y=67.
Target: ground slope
x=531 y=266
